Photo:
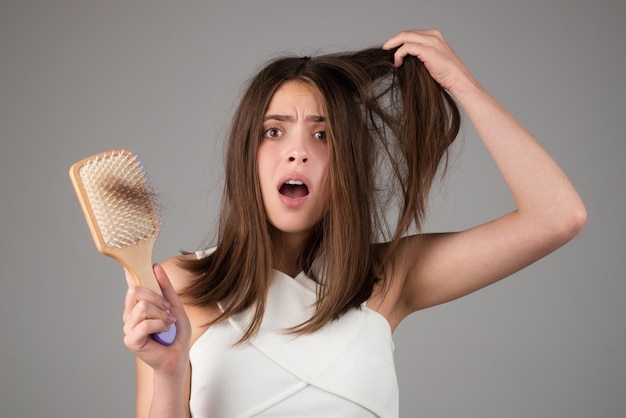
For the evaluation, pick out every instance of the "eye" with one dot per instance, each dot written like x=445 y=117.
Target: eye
x=272 y=133
x=321 y=135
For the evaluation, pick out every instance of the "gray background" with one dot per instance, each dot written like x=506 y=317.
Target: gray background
x=161 y=77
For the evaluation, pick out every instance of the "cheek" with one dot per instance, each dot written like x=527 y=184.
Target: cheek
x=263 y=169
x=264 y=157
x=325 y=187
x=261 y=156
x=322 y=156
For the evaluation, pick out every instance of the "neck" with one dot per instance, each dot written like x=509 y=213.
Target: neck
x=287 y=250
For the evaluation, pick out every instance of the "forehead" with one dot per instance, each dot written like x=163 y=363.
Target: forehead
x=296 y=96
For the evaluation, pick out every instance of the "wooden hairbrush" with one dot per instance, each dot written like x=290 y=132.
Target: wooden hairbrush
x=122 y=215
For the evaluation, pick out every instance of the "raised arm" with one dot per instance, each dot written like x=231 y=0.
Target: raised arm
x=434 y=268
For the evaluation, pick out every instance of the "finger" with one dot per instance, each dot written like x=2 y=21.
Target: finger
x=405 y=46
x=144 y=311
x=395 y=41
x=418 y=43
x=142 y=296
x=176 y=305
x=407 y=36
x=140 y=337
x=135 y=340
x=169 y=294
x=146 y=327
x=414 y=49
x=161 y=276
x=413 y=36
x=141 y=293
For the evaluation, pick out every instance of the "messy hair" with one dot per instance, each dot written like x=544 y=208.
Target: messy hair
x=379 y=118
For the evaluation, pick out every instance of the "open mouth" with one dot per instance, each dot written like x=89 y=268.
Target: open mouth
x=294 y=189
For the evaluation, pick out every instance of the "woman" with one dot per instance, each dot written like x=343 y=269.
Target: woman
x=291 y=313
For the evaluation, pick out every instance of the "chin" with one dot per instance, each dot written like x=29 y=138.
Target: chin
x=293 y=228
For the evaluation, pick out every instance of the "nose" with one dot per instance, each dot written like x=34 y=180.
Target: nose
x=298 y=151
x=298 y=156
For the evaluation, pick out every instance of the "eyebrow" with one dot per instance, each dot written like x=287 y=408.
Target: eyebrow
x=288 y=118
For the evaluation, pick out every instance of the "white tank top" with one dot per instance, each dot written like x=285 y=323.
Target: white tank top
x=346 y=369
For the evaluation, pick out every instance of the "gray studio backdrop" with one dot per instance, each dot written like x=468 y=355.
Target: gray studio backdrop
x=161 y=77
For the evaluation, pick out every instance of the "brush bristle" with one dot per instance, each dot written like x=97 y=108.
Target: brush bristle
x=121 y=198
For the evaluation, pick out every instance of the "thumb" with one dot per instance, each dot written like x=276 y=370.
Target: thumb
x=162 y=278
x=164 y=283
x=177 y=308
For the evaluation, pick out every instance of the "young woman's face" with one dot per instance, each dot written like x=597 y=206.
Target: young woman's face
x=293 y=159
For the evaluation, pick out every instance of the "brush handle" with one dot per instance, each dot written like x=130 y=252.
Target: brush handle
x=144 y=276
x=137 y=259
x=166 y=337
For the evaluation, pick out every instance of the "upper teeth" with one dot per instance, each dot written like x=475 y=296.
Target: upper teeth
x=294 y=182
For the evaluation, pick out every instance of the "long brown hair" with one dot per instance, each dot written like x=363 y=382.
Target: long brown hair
x=379 y=116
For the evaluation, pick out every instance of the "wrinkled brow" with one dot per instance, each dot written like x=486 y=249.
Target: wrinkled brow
x=289 y=118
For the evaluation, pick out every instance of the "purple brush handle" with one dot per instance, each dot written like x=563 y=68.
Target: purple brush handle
x=166 y=337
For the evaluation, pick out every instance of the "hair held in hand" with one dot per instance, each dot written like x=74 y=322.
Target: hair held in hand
x=380 y=119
